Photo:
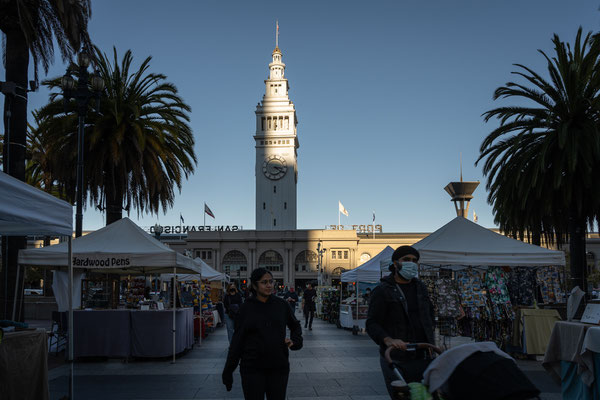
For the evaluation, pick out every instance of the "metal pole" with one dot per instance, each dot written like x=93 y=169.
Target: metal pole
x=70 y=323
x=16 y=295
x=174 y=309
x=80 y=147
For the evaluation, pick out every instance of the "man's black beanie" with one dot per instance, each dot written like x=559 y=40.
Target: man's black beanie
x=404 y=250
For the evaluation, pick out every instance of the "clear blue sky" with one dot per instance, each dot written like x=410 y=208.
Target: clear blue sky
x=388 y=94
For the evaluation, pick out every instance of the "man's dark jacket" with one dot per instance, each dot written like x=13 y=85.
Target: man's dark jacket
x=388 y=313
x=259 y=336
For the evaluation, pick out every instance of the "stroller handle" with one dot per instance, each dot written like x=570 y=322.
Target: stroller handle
x=411 y=347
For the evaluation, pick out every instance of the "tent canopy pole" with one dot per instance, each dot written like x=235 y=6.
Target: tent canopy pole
x=174 y=308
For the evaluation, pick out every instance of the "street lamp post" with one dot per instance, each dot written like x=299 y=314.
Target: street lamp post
x=320 y=251
x=81 y=91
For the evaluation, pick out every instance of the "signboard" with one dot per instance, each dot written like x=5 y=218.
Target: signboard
x=357 y=228
x=103 y=262
x=167 y=229
x=591 y=315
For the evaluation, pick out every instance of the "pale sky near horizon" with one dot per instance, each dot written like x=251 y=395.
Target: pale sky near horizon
x=388 y=95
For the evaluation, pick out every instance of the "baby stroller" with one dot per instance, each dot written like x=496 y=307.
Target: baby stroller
x=471 y=371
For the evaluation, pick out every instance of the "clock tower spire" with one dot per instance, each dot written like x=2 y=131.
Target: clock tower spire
x=276 y=152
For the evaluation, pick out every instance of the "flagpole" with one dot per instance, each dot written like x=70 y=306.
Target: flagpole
x=204 y=216
x=373 y=224
x=339 y=212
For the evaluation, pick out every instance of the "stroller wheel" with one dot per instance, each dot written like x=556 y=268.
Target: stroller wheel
x=401 y=390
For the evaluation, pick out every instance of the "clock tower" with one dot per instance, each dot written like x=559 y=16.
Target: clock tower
x=276 y=152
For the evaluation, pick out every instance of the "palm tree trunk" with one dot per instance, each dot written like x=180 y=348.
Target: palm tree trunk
x=577 y=228
x=114 y=202
x=15 y=126
x=536 y=237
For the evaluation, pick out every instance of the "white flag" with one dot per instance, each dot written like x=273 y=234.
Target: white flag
x=475 y=216
x=342 y=209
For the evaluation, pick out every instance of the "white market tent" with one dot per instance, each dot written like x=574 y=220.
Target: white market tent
x=121 y=247
x=369 y=271
x=208 y=273
x=25 y=210
x=464 y=243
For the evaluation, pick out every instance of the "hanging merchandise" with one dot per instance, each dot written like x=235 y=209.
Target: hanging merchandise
x=495 y=281
x=443 y=293
x=447 y=298
x=331 y=305
x=487 y=306
x=549 y=281
x=521 y=286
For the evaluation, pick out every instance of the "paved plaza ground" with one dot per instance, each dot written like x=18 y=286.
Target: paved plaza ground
x=333 y=365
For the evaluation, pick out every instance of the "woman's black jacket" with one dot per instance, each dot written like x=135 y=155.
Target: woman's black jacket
x=259 y=336
x=232 y=304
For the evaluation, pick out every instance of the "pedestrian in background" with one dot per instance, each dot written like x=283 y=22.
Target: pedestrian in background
x=308 y=305
x=292 y=298
x=259 y=343
x=232 y=301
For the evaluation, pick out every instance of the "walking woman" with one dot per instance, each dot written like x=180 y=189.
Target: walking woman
x=260 y=344
x=233 y=301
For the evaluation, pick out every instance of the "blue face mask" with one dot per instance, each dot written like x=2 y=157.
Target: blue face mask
x=409 y=270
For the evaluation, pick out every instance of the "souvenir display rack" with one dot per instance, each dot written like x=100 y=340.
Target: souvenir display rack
x=331 y=305
x=135 y=291
x=99 y=293
x=481 y=303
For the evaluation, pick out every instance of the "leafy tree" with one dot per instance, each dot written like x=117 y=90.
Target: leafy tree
x=543 y=161
x=138 y=146
x=31 y=27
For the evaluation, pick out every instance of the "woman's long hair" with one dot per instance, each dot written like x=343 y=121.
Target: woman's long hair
x=255 y=278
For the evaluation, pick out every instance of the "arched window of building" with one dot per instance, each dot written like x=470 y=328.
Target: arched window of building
x=306 y=261
x=234 y=262
x=271 y=260
x=338 y=271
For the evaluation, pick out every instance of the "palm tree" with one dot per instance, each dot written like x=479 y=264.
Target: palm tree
x=138 y=147
x=31 y=27
x=543 y=161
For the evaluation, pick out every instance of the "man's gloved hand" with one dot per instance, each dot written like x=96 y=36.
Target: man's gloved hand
x=227 y=378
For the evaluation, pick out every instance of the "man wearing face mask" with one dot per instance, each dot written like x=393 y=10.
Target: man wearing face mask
x=400 y=312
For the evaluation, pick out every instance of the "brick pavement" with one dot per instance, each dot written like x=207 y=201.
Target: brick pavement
x=333 y=365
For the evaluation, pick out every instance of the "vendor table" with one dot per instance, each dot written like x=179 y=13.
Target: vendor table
x=102 y=333
x=126 y=333
x=24 y=365
x=533 y=328
x=151 y=332
x=348 y=316
x=216 y=318
x=573 y=358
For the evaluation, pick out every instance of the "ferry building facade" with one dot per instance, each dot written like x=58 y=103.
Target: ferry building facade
x=294 y=256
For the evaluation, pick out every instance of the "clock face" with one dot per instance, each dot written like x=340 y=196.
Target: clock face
x=274 y=167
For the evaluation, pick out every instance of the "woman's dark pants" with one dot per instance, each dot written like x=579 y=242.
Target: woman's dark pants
x=272 y=382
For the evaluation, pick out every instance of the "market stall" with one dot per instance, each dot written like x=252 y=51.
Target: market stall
x=25 y=210
x=119 y=248
x=205 y=292
x=474 y=272
x=353 y=310
x=573 y=358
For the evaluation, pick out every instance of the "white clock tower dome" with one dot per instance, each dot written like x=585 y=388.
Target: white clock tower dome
x=276 y=152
